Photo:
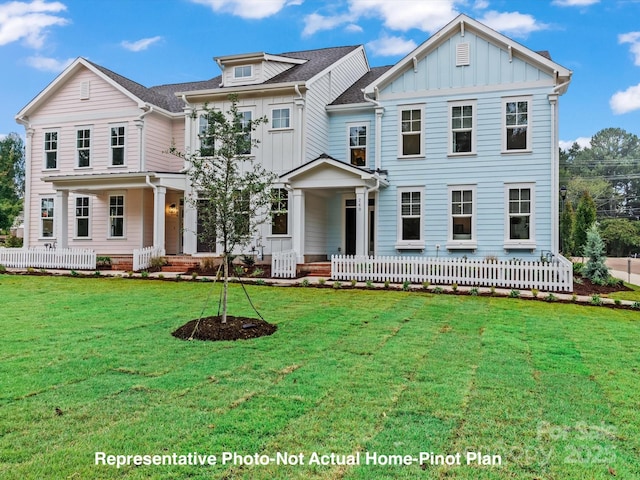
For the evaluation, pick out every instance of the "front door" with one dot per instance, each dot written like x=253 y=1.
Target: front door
x=350 y=227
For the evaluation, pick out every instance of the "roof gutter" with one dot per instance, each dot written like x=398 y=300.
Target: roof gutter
x=147 y=109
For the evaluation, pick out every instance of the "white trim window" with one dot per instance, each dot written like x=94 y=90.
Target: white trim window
x=118 y=145
x=279 y=211
x=410 y=218
x=357 y=144
x=462 y=217
x=243 y=71
x=516 y=132
x=410 y=142
x=83 y=147
x=51 y=150
x=116 y=216
x=462 y=133
x=83 y=217
x=207 y=144
x=520 y=215
x=47 y=218
x=280 y=118
x=245 y=118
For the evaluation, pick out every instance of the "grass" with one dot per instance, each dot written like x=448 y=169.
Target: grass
x=631 y=295
x=88 y=365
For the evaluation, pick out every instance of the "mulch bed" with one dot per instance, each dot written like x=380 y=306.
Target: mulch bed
x=236 y=328
x=587 y=288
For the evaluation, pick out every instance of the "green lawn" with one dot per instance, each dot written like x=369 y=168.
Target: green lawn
x=89 y=365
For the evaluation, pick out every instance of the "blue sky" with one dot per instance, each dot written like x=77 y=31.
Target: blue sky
x=167 y=41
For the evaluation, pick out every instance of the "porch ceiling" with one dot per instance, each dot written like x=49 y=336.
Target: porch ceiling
x=95 y=182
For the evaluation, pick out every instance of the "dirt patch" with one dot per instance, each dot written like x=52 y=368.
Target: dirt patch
x=236 y=328
x=587 y=288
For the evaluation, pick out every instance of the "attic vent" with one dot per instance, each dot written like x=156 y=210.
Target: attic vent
x=462 y=54
x=85 y=90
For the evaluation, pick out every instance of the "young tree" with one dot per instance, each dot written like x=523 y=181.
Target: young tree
x=11 y=178
x=232 y=193
x=585 y=217
x=595 y=268
x=567 y=219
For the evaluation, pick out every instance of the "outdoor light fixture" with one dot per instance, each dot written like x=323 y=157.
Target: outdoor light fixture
x=563 y=192
x=173 y=209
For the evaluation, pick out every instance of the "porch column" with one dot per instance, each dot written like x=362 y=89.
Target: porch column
x=61 y=216
x=159 y=200
x=298 y=223
x=362 y=207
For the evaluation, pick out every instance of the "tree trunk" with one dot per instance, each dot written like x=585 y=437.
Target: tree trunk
x=225 y=288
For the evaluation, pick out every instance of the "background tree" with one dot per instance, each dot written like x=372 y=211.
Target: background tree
x=585 y=217
x=233 y=194
x=11 y=179
x=567 y=218
x=621 y=236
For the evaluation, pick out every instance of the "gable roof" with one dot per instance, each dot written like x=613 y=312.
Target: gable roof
x=460 y=23
x=354 y=94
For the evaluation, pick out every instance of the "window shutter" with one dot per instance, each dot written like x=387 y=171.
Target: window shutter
x=462 y=54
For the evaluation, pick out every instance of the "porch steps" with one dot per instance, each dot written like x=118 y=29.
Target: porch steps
x=316 y=269
x=180 y=263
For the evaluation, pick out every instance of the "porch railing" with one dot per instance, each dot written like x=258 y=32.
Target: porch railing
x=142 y=257
x=55 y=258
x=283 y=264
x=553 y=275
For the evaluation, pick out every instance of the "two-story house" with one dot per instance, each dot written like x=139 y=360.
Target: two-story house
x=453 y=151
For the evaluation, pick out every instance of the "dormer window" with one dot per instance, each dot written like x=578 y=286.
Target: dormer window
x=244 y=71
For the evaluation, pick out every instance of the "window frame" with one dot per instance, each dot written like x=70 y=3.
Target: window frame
x=203 y=127
x=88 y=148
x=49 y=217
x=421 y=132
x=110 y=217
x=413 y=244
x=463 y=103
x=113 y=147
x=280 y=198
x=505 y=126
x=246 y=124
x=365 y=147
x=45 y=161
x=272 y=125
x=459 y=243
x=242 y=68
x=86 y=217
x=529 y=243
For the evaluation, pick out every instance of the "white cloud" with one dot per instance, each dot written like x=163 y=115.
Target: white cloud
x=627 y=101
x=353 y=28
x=315 y=22
x=47 y=64
x=140 y=45
x=574 y=3
x=248 y=8
x=404 y=15
x=514 y=24
x=584 y=142
x=387 y=46
x=29 y=21
x=634 y=39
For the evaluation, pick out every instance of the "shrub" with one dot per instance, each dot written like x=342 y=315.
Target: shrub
x=551 y=298
x=534 y=292
x=386 y=284
x=492 y=290
x=73 y=273
x=194 y=275
x=160 y=276
x=514 y=293
x=260 y=281
x=406 y=285
x=595 y=268
x=103 y=261
x=574 y=297
x=96 y=273
x=156 y=263
x=144 y=274
x=635 y=305
x=337 y=284
x=208 y=264
x=130 y=273
x=438 y=290
x=617 y=301
x=596 y=300
x=321 y=281
x=178 y=277
x=248 y=261
x=614 y=282
x=305 y=282
x=577 y=268
x=474 y=291
x=257 y=272
x=369 y=284
x=13 y=242
x=353 y=282
x=425 y=285
x=454 y=287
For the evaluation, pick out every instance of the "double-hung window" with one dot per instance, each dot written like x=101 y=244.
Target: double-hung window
x=243 y=71
x=244 y=140
x=410 y=142
x=117 y=146
x=47 y=217
x=205 y=135
x=50 y=150
x=462 y=217
x=83 y=147
x=517 y=124
x=280 y=118
x=279 y=211
x=462 y=133
x=116 y=216
x=358 y=145
x=410 y=218
x=82 y=217
x=520 y=219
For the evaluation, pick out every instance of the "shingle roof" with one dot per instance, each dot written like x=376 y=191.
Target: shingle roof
x=353 y=94
x=318 y=60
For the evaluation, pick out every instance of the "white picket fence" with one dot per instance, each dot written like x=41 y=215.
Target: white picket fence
x=41 y=257
x=142 y=257
x=555 y=275
x=283 y=264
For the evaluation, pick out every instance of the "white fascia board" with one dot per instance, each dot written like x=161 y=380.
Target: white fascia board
x=225 y=91
x=357 y=51
x=350 y=107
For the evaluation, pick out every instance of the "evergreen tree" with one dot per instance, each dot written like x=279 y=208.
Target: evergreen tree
x=595 y=268
x=584 y=219
x=567 y=220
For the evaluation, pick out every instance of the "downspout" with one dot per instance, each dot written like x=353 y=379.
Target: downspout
x=300 y=140
x=379 y=113
x=140 y=124
x=26 y=201
x=555 y=167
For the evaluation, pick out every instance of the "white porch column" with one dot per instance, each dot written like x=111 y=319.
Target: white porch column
x=298 y=223
x=159 y=200
x=61 y=216
x=190 y=225
x=362 y=207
